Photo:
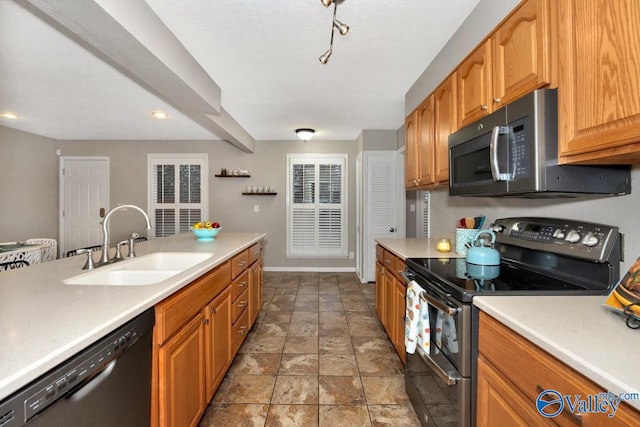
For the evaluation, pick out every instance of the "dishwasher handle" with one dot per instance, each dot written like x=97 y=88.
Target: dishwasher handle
x=92 y=383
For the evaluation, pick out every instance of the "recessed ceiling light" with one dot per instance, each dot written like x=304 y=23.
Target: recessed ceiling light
x=160 y=115
x=9 y=115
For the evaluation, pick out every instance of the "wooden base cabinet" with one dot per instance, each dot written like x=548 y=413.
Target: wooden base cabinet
x=218 y=341
x=512 y=372
x=198 y=331
x=181 y=376
x=390 y=298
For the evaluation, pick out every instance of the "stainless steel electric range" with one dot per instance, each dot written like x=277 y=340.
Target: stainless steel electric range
x=538 y=256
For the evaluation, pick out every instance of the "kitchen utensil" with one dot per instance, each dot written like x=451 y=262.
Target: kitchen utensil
x=470 y=222
x=483 y=255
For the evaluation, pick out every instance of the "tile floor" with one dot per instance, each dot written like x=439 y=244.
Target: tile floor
x=316 y=356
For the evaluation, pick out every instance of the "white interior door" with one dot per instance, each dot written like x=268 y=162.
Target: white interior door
x=84 y=197
x=380 y=205
x=359 y=262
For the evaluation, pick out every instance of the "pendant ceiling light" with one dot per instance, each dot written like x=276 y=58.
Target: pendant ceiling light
x=343 y=29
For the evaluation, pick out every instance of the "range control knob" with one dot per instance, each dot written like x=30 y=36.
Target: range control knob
x=590 y=240
x=559 y=234
x=573 y=236
x=498 y=228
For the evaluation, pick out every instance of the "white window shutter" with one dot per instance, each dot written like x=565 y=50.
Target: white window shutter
x=178 y=195
x=316 y=205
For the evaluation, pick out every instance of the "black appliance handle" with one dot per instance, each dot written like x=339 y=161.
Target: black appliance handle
x=445 y=308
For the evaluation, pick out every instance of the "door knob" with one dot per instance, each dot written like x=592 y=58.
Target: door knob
x=392 y=230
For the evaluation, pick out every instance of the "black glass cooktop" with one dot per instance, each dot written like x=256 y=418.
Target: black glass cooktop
x=462 y=280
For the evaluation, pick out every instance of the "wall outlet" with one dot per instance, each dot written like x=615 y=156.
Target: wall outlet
x=350 y=255
x=256 y=208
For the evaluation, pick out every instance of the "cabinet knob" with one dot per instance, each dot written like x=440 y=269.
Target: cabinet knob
x=484 y=107
x=205 y=321
x=496 y=100
x=213 y=311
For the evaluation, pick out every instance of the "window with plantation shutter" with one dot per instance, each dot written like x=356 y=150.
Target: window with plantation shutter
x=316 y=205
x=177 y=192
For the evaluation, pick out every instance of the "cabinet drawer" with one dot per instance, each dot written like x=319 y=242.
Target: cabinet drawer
x=254 y=252
x=239 y=285
x=239 y=305
x=543 y=371
x=398 y=266
x=388 y=260
x=239 y=263
x=239 y=331
x=179 y=308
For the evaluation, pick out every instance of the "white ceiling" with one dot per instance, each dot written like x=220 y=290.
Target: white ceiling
x=263 y=56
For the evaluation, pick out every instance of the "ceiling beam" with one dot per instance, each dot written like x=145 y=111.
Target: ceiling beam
x=129 y=36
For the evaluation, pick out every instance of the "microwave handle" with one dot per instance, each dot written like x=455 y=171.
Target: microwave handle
x=493 y=154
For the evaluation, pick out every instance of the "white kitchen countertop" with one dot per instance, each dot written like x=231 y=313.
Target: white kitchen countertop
x=577 y=330
x=43 y=321
x=419 y=247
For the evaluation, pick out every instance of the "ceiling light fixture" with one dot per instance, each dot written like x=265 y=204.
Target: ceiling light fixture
x=305 y=134
x=160 y=115
x=342 y=28
x=9 y=115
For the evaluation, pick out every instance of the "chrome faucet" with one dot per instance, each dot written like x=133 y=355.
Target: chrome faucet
x=104 y=259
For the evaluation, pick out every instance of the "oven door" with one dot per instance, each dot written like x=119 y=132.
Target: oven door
x=438 y=380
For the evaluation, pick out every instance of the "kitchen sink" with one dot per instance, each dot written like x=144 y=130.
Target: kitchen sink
x=145 y=270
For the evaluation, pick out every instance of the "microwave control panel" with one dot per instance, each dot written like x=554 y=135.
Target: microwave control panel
x=567 y=237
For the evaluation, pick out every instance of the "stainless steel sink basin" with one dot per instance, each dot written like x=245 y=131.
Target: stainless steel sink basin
x=145 y=270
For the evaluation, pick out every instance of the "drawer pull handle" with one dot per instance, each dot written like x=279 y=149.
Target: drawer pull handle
x=242 y=284
x=241 y=304
x=242 y=263
x=576 y=418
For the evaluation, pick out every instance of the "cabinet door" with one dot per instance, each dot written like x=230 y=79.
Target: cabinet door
x=389 y=299
x=599 y=88
x=218 y=341
x=445 y=124
x=474 y=85
x=521 y=52
x=501 y=404
x=426 y=141
x=411 y=150
x=399 y=302
x=380 y=293
x=181 y=376
x=255 y=292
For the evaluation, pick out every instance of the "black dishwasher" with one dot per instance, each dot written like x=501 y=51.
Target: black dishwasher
x=107 y=384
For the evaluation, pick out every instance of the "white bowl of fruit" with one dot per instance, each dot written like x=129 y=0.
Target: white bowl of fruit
x=205 y=231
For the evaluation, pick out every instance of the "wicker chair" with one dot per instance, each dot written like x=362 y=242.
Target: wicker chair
x=50 y=253
x=12 y=265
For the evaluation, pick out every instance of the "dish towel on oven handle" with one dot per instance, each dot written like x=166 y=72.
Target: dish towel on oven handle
x=424 y=327
x=446 y=332
x=412 y=317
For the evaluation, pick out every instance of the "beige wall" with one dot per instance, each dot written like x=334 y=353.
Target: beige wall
x=29 y=182
x=128 y=161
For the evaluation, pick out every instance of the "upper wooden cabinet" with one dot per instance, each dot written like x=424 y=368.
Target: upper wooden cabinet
x=513 y=61
x=445 y=97
x=599 y=84
x=474 y=85
x=411 y=150
x=431 y=124
x=426 y=141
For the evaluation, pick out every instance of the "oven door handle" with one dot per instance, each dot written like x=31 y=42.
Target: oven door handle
x=441 y=372
x=445 y=308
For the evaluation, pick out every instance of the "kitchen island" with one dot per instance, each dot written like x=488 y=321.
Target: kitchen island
x=44 y=321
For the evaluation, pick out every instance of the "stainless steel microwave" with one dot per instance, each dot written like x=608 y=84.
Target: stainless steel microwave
x=514 y=152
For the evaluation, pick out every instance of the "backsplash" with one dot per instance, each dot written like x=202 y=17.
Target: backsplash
x=619 y=211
